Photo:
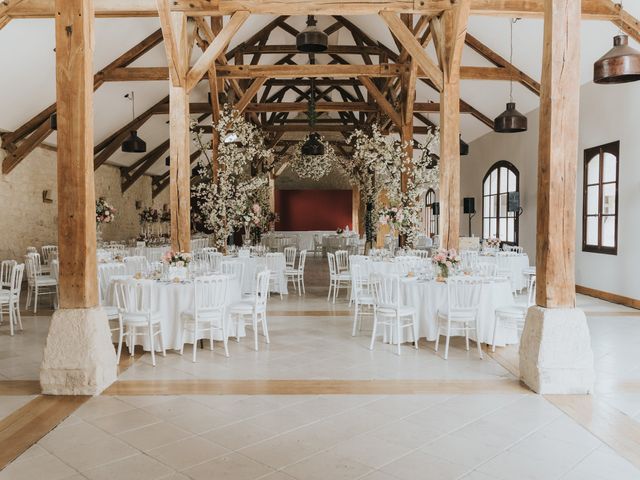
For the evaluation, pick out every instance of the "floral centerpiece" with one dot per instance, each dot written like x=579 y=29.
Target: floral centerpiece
x=177 y=263
x=105 y=213
x=445 y=260
x=491 y=242
x=149 y=215
x=165 y=216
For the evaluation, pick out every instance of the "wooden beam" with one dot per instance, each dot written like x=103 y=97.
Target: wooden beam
x=406 y=37
x=215 y=48
x=625 y=21
x=13 y=158
x=76 y=198
x=5 y=8
x=293 y=49
x=303 y=107
x=454 y=25
x=518 y=75
x=251 y=92
x=145 y=163
x=558 y=155
x=171 y=49
x=591 y=9
x=179 y=136
x=123 y=60
x=384 y=104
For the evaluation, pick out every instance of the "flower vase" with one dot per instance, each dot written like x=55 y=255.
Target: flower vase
x=99 y=233
x=444 y=273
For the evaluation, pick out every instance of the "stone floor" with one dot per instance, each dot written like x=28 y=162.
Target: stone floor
x=474 y=435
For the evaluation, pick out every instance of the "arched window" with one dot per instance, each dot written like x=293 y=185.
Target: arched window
x=600 y=199
x=497 y=221
x=430 y=221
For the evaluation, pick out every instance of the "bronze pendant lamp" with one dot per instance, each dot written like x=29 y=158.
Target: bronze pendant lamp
x=511 y=120
x=133 y=143
x=621 y=64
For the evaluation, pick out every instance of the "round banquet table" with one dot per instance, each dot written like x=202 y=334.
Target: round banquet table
x=251 y=265
x=430 y=296
x=173 y=299
x=515 y=264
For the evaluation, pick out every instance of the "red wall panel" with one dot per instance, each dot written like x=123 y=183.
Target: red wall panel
x=302 y=210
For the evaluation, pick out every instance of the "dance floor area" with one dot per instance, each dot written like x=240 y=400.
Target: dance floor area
x=316 y=403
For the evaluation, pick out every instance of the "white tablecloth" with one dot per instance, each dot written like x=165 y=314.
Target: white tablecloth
x=515 y=264
x=304 y=238
x=251 y=265
x=175 y=298
x=429 y=296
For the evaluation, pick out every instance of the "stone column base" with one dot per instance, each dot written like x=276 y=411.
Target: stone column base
x=79 y=358
x=555 y=351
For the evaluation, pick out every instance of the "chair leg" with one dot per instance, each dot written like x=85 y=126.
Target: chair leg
x=265 y=329
x=415 y=330
x=10 y=318
x=373 y=334
x=255 y=333
x=495 y=330
x=182 y=342
x=355 y=321
x=398 y=332
x=437 y=337
x=225 y=339
x=161 y=336
x=132 y=336
x=478 y=341
x=18 y=316
x=466 y=336
x=152 y=346
x=446 y=347
x=211 y=338
x=329 y=294
x=120 y=339
x=195 y=345
x=35 y=299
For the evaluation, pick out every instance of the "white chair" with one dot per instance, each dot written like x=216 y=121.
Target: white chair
x=234 y=269
x=275 y=263
x=209 y=250
x=362 y=294
x=290 y=257
x=38 y=284
x=6 y=270
x=210 y=295
x=317 y=244
x=461 y=315
x=515 y=314
x=296 y=275
x=10 y=298
x=389 y=311
x=107 y=273
x=336 y=280
x=470 y=259
x=214 y=260
x=136 y=265
x=49 y=252
x=136 y=300
x=486 y=269
x=256 y=309
x=342 y=261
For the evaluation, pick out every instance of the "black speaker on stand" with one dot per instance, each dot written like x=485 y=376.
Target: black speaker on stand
x=513 y=203
x=469 y=207
x=435 y=210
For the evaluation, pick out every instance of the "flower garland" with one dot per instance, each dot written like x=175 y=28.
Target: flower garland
x=313 y=167
x=105 y=213
x=223 y=204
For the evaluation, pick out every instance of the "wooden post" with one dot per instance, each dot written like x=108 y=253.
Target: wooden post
x=355 y=209
x=180 y=169
x=558 y=155
x=76 y=196
x=454 y=24
x=78 y=357
x=555 y=347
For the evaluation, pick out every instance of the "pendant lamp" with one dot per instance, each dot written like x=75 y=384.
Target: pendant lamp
x=621 y=64
x=133 y=143
x=313 y=145
x=312 y=40
x=53 y=121
x=511 y=120
x=464 y=147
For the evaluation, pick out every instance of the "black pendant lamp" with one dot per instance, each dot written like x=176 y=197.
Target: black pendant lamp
x=511 y=120
x=53 y=121
x=312 y=40
x=464 y=147
x=133 y=143
x=313 y=145
x=621 y=64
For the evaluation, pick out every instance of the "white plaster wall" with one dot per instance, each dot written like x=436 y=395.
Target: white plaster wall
x=607 y=113
x=26 y=221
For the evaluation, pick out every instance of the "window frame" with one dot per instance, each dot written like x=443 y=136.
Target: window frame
x=516 y=218
x=429 y=216
x=590 y=154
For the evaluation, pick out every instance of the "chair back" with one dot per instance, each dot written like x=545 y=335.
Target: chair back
x=274 y=261
x=214 y=261
x=210 y=294
x=6 y=271
x=331 y=258
x=302 y=259
x=32 y=250
x=387 y=290
x=16 y=280
x=49 y=252
x=262 y=289
x=136 y=264
x=359 y=281
x=470 y=259
x=290 y=256
x=342 y=261
x=33 y=267
x=136 y=297
x=463 y=295
x=531 y=292
x=106 y=273
x=234 y=269
x=55 y=269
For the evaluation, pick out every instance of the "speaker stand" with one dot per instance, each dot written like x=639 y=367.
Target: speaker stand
x=471 y=215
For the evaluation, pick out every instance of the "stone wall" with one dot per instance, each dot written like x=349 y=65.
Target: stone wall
x=26 y=220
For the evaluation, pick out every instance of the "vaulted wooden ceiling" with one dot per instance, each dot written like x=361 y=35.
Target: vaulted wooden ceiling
x=357 y=79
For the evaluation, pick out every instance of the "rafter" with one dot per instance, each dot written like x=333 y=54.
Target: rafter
x=384 y=104
x=131 y=174
x=5 y=8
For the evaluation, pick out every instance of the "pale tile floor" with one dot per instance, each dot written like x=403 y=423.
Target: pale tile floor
x=306 y=437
